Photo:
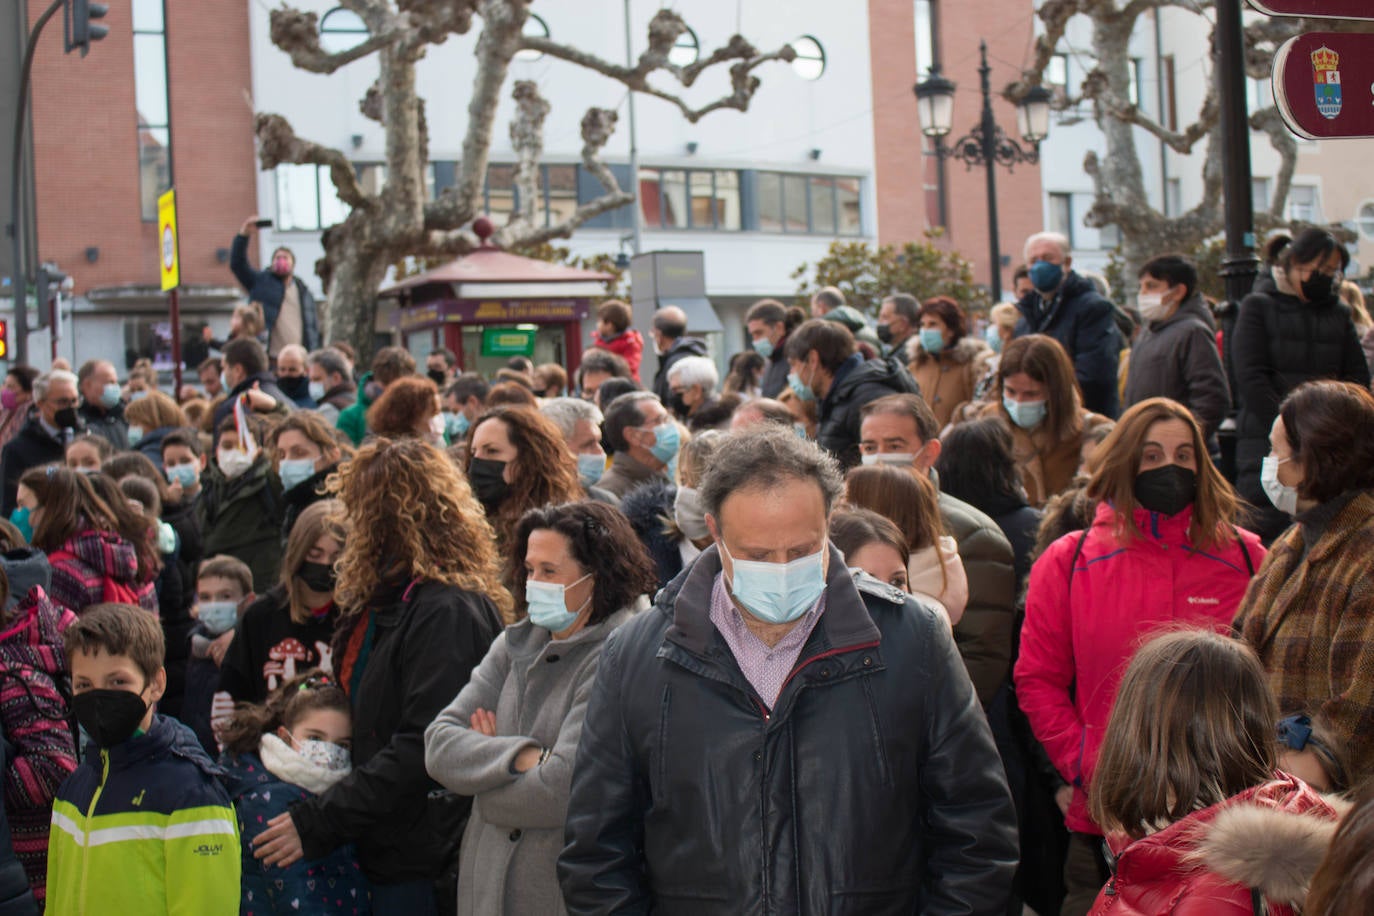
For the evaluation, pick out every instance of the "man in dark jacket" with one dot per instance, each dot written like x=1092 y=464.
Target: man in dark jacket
x=672 y=344
x=332 y=381
x=44 y=436
x=287 y=305
x=901 y=429
x=1067 y=307
x=1176 y=354
x=101 y=408
x=245 y=371
x=827 y=369
x=771 y=737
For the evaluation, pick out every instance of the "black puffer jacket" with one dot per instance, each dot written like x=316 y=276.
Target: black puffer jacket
x=1085 y=324
x=1279 y=343
x=301 y=497
x=426 y=640
x=872 y=786
x=31 y=447
x=856 y=383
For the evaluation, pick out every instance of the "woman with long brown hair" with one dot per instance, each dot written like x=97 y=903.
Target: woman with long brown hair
x=420 y=583
x=1162 y=550
x=910 y=500
x=1040 y=401
x=99 y=549
x=518 y=461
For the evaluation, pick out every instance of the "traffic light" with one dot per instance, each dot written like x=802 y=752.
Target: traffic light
x=4 y=339
x=80 y=30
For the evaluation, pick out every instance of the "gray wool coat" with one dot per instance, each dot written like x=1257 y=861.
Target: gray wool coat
x=538 y=688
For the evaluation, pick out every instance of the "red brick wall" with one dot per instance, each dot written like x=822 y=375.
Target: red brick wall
x=86 y=146
x=1007 y=25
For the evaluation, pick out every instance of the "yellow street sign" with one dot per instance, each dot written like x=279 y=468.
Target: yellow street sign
x=167 y=233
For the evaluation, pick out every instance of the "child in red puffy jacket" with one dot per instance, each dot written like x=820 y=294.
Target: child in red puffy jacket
x=613 y=332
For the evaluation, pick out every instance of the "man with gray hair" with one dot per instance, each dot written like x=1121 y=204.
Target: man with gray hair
x=44 y=438
x=691 y=384
x=580 y=423
x=1067 y=307
x=331 y=383
x=777 y=735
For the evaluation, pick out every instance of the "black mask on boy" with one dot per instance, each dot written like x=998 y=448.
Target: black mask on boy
x=110 y=717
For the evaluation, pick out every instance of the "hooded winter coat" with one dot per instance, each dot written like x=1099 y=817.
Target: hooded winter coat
x=33 y=665
x=628 y=345
x=353 y=418
x=1280 y=342
x=856 y=382
x=1265 y=841
x=538 y=688
x=1092 y=600
x=948 y=379
x=1085 y=323
x=872 y=786
x=1178 y=358
x=242 y=518
x=98 y=566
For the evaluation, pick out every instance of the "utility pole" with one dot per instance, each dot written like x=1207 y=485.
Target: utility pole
x=1239 y=266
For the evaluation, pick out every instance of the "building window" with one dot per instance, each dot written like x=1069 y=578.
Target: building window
x=1133 y=90
x=685 y=50
x=1259 y=95
x=1259 y=194
x=1057 y=71
x=560 y=192
x=925 y=37
x=306 y=200
x=341 y=29
x=814 y=204
x=1061 y=215
x=150 y=96
x=768 y=190
x=810 y=60
x=535 y=27
x=1302 y=204
x=690 y=199
x=1365 y=219
x=1168 y=74
x=1173 y=198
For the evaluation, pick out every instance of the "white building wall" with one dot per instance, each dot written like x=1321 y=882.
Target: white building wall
x=789 y=117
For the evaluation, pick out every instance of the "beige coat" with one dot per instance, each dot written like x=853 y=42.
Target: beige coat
x=1046 y=468
x=948 y=381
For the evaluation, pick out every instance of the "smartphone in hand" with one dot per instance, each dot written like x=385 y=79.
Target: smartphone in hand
x=263 y=224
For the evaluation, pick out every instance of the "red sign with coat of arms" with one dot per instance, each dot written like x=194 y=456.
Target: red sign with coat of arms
x=1324 y=85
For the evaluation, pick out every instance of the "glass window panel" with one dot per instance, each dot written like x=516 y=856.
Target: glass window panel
x=769 y=190
x=332 y=210
x=822 y=204
x=500 y=188
x=809 y=63
x=847 y=206
x=1366 y=220
x=1061 y=215
x=150 y=79
x=297 y=197
x=674 y=184
x=1259 y=194
x=1133 y=90
x=429 y=181
x=371 y=176
x=147 y=16
x=794 y=203
x=703 y=200
x=727 y=200
x=649 y=204
x=341 y=29
x=154 y=168
x=1057 y=70
x=560 y=183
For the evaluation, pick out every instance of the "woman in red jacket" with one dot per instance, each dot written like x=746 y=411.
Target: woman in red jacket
x=1200 y=822
x=1163 y=550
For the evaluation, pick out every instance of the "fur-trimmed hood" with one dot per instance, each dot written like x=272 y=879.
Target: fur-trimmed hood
x=1272 y=850
x=966 y=350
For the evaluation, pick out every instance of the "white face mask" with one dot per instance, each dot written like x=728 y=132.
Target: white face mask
x=1152 y=307
x=900 y=459
x=232 y=462
x=1284 y=497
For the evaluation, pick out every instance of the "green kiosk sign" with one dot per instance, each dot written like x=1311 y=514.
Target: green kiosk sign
x=508 y=341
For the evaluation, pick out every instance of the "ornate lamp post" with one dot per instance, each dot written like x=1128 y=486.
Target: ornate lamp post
x=986 y=145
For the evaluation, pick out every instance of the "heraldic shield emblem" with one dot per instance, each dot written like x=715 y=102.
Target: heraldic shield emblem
x=1326 y=80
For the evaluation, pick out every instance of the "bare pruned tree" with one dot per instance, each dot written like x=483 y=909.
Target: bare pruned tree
x=399 y=220
x=1118 y=180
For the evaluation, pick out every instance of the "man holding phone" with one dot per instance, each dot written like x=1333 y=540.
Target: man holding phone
x=287 y=305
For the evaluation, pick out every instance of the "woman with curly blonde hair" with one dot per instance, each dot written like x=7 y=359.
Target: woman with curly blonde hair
x=419 y=581
x=518 y=461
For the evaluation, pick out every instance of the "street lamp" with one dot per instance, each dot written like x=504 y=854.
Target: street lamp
x=985 y=145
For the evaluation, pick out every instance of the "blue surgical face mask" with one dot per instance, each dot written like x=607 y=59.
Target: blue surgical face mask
x=224 y=382
x=294 y=472
x=777 y=592
x=666 y=441
x=316 y=391
x=994 y=338
x=1025 y=414
x=218 y=616
x=800 y=430
x=109 y=395
x=548 y=605
x=799 y=388
x=184 y=474
x=135 y=436
x=456 y=425
x=763 y=347
x=20 y=519
x=932 y=340
x=1045 y=276
x=590 y=468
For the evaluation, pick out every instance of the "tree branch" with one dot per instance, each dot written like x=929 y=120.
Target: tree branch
x=298 y=34
x=527 y=139
x=278 y=143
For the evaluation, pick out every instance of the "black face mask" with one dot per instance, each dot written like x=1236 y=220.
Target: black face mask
x=318 y=577
x=110 y=717
x=677 y=405
x=437 y=376
x=294 y=386
x=488 y=484
x=1167 y=490
x=66 y=418
x=1318 y=288
x=885 y=333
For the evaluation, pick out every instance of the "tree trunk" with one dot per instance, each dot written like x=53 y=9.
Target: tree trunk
x=358 y=273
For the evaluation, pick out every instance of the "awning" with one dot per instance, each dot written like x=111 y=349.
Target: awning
x=701 y=315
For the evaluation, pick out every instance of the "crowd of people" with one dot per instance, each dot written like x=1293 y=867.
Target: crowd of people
x=947 y=614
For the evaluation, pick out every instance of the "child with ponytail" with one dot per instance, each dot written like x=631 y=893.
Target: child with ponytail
x=293 y=747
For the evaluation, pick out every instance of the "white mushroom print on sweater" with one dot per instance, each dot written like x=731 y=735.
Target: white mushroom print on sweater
x=289 y=657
